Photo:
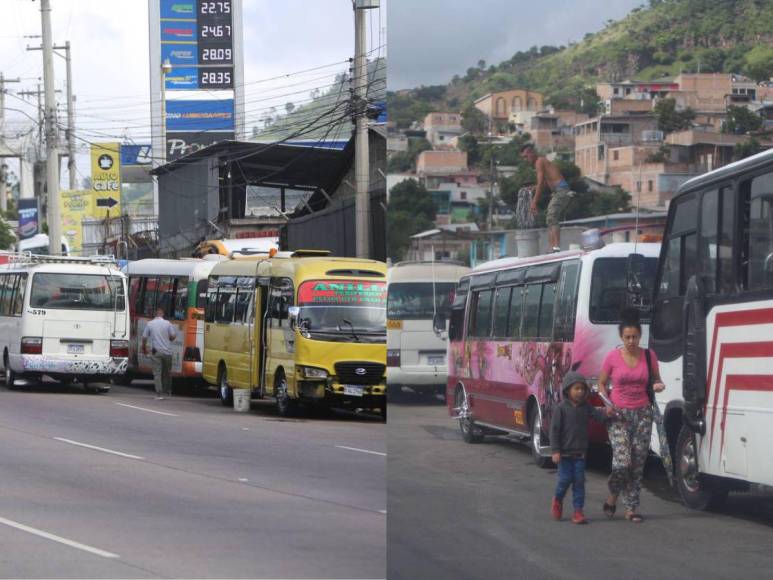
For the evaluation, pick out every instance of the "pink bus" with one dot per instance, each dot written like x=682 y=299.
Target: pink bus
x=517 y=325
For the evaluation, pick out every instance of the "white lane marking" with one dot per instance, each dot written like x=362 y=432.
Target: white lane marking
x=361 y=450
x=243 y=479
x=60 y=539
x=148 y=410
x=382 y=512
x=102 y=449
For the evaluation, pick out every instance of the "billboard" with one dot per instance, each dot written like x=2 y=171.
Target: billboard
x=182 y=143
x=75 y=206
x=29 y=218
x=199 y=116
x=106 y=177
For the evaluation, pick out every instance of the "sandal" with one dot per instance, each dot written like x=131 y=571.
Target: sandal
x=609 y=510
x=634 y=518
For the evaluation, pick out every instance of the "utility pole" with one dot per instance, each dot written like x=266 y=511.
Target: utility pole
x=4 y=80
x=70 y=111
x=38 y=94
x=361 y=146
x=52 y=152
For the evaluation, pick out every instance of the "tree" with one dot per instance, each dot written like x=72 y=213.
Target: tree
x=669 y=119
x=481 y=64
x=406 y=160
x=741 y=121
x=411 y=210
x=473 y=120
x=747 y=148
x=289 y=107
x=7 y=238
x=759 y=62
x=469 y=143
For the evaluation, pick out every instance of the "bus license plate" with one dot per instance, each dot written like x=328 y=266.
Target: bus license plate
x=76 y=348
x=436 y=360
x=353 y=390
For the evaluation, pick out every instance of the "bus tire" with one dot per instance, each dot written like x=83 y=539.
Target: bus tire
x=696 y=492
x=471 y=433
x=123 y=380
x=285 y=405
x=536 y=435
x=225 y=392
x=383 y=412
x=10 y=376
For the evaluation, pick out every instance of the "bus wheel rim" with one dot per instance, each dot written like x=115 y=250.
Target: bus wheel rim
x=536 y=438
x=464 y=412
x=689 y=467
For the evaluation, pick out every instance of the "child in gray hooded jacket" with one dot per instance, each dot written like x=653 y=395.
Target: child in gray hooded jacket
x=569 y=442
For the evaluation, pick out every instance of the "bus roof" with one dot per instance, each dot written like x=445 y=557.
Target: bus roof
x=615 y=250
x=62 y=268
x=422 y=272
x=191 y=267
x=299 y=267
x=727 y=172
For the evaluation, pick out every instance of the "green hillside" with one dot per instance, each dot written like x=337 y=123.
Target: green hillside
x=658 y=40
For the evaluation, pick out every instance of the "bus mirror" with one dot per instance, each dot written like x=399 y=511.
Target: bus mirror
x=439 y=323
x=292 y=314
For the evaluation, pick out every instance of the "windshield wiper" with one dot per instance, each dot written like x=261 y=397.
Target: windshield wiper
x=349 y=322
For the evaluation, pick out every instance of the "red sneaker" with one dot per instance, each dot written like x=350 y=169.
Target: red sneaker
x=556 y=509
x=579 y=517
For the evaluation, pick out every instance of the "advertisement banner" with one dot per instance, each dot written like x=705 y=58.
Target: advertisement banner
x=28 y=218
x=135 y=155
x=106 y=178
x=76 y=205
x=179 y=144
x=180 y=54
x=200 y=115
x=182 y=32
x=178 y=9
x=182 y=79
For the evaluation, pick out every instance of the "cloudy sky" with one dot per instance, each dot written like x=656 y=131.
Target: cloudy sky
x=110 y=58
x=432 y=40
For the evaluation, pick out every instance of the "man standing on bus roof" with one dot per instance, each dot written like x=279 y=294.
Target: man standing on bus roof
x=549 y=178
x=161 y=333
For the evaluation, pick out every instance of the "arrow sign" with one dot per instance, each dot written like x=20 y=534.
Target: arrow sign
x=107 y=202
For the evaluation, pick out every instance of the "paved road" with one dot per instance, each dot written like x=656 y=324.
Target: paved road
x=185 y=488
x=459 y=511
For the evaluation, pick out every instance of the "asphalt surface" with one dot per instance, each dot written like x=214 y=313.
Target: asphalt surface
x=461 y=511
x=186 y=488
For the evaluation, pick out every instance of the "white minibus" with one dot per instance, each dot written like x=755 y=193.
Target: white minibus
x=416 y=292
x=65 y=318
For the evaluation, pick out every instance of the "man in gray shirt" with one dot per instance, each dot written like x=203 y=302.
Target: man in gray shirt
x=161 y=333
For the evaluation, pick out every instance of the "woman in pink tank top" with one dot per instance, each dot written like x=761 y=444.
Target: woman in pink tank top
x=630 y=433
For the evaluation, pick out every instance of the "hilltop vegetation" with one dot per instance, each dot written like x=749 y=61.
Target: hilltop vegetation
x=661 y=39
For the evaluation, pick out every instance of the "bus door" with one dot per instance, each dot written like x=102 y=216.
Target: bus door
x=259 y=335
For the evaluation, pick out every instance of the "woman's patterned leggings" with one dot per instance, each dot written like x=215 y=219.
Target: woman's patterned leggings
x=629 y=435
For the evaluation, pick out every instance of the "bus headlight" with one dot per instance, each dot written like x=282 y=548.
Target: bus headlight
x=312 y=372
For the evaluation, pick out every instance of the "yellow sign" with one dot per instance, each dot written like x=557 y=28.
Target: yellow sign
x=394 y=324
x=76 y=205
x=106 y=178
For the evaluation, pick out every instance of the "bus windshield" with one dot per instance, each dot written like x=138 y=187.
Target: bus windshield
x=609 y=288
x=352 y=309
x=414 y=300
x=76 y=291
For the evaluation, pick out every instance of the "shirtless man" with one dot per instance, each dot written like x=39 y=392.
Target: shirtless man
x=549 y=178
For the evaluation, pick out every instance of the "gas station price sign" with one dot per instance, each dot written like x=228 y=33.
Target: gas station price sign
x=214 y=23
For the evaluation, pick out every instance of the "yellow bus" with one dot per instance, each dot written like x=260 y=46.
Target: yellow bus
x=302 y=327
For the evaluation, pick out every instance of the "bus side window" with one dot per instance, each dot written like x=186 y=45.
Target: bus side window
x=18 y=303
x=165 y=298
x=546 y=311
x=726 y=274
x=456 y=324
x=244 y=294
x=708 y=243
x=3 y=282
x=211 y=303
x=758 y=208
x=481 y=323
x=134 y=294
x=7 y=294
x=566 y=305
x=514 y=319
x=226 y=298
x=531 y=301
x=180 y=298
x=501 y=311
x=149 y=297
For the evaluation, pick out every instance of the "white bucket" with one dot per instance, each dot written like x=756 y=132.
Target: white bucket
x=242 y=400
x=527 y=243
